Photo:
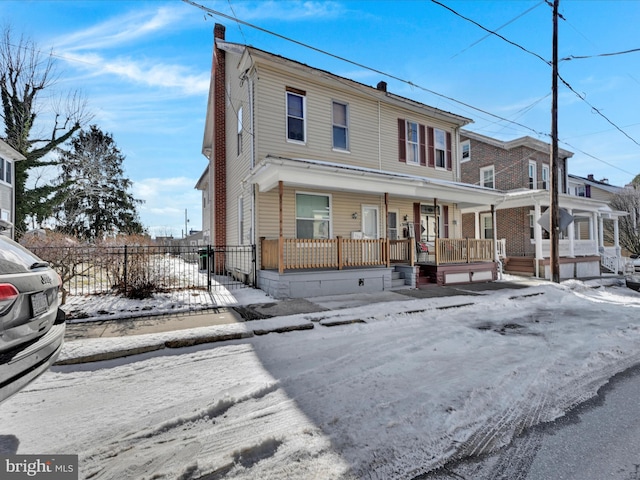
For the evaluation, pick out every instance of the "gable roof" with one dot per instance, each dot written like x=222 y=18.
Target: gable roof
x=8 y=152
x=249 y=55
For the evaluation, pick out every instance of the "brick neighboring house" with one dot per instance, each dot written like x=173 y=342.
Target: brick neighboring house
x=342 y=187
x=521 y=169
x=8 y=158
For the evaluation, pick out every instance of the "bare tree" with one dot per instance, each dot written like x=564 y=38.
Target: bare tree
x=628 y=200
x=25 y=73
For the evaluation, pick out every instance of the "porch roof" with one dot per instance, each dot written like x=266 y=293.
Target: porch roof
x=524 y=198
x=334 y=176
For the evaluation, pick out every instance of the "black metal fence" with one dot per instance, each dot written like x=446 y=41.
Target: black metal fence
x=93 y=270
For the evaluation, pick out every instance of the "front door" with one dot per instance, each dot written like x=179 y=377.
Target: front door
x=370 y=223
x=428 y=223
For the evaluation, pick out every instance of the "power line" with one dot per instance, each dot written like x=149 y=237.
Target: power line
x=497 y=29
x=360 y=65
x=581 y=57
x=212 y=12
x=491 y=32
x=581 y=97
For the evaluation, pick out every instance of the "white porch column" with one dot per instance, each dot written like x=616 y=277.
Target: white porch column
x=537 y=237
x=600 y=233
x=571 y=231
x=593 y=225
x=616 y=236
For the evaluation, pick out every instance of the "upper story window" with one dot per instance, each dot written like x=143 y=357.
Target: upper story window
x=532 y=175
x=545 y=177
x=413 y=143
x=5 y=170
x=465 y=148
x=239 y=130
x=296 y=115
x=487 y=175
x=340 y=126
x=581 y=191
x=440 y=146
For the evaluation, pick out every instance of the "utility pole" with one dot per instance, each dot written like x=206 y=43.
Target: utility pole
x=555 y=228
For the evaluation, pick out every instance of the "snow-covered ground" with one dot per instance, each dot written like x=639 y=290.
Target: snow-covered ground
x=417 y=384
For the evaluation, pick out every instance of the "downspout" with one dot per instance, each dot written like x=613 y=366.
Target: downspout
x=379 y=138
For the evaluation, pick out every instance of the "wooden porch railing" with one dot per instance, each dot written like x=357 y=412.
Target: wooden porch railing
x=303 y=253
x=463 y=250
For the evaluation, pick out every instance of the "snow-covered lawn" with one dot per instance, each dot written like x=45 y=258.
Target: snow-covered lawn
x=416 y=385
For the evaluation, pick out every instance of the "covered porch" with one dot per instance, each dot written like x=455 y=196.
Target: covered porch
x=355 y=261
x=581 y=248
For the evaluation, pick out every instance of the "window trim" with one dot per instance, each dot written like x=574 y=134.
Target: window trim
x=240 y=220
x=483 y=170
x=302 y=94
x=545 y=182
x=467 y=144
x=532 y=179
x=411 y=145
x=443 y=149
x=334 y=125
x=240 y=130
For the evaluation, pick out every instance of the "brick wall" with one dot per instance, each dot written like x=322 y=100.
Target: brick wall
x=219 y=142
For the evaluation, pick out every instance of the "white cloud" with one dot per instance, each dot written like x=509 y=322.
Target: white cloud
x=288 y=11
x=119 y=30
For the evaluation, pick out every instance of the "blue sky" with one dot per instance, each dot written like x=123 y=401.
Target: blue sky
x=144 y=68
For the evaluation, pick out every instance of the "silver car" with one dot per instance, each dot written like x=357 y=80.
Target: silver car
x=32 y=325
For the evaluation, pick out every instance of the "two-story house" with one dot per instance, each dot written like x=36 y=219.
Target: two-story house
x=521 y=169
x=342 y=187
x=8 y=158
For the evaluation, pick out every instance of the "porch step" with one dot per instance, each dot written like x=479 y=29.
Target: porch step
x=520 y=266
x=397 y=279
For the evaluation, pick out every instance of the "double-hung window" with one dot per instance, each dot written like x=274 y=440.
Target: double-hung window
x=487 y=177
x=413 y=143
x=545 y=177
x=5 y=170
x=440 y=148
x=313 y=215
x=532 y=176
x=296 y=114
x=466 y=151
x=340 y=126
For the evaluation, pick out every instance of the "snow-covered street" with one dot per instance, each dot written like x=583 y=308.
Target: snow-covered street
x=412 y=386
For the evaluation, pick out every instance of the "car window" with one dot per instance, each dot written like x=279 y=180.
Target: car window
x=14 y=258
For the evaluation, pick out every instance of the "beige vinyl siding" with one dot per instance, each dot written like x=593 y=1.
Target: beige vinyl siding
x=389 y=144
x=343 y=205
x=599 y=194
x=238 y=167
x=367 y=117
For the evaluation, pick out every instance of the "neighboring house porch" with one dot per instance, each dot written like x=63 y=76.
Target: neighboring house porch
x=582 y=252
x=345 y=229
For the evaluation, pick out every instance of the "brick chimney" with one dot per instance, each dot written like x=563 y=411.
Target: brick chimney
x=590 y=177
x=219 y=156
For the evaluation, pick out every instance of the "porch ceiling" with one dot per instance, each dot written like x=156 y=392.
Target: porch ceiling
x=331 y=176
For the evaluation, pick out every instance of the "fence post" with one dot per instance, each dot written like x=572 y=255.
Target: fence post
x=125 y=270
x=209 y=265
x=254 y=262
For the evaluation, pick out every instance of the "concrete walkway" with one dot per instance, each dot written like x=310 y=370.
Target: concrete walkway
x=228 y=315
